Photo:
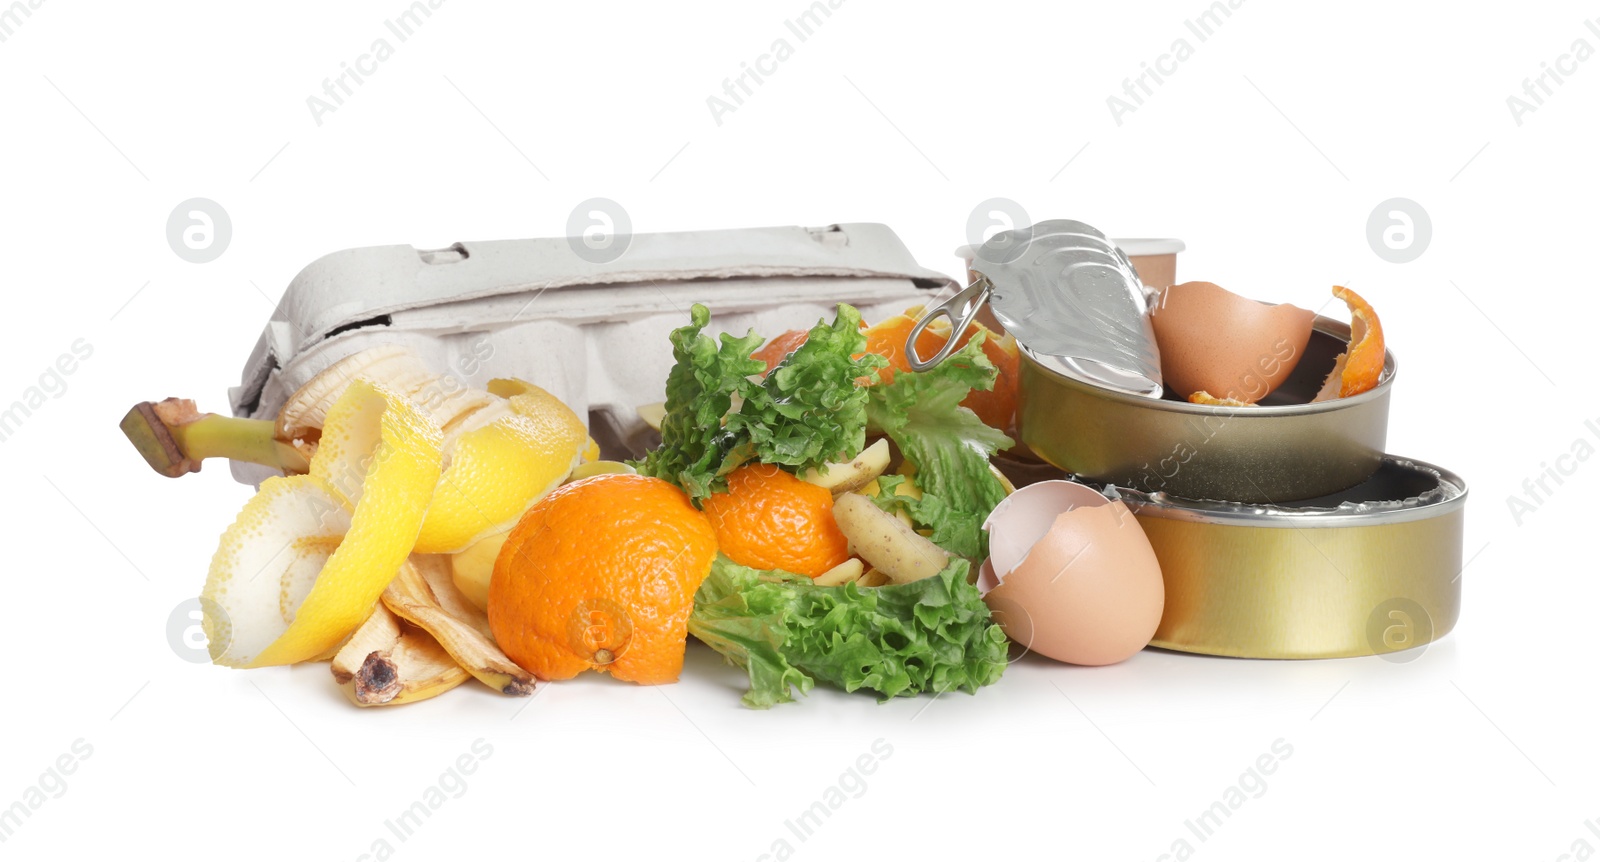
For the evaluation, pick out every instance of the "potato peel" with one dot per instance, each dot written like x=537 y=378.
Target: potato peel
x=1203 y=397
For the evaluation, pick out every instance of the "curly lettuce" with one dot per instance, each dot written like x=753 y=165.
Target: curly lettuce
x=808 y=410
x=949 y=446
x=696 y=451
x=720 y=414
x=931 y=635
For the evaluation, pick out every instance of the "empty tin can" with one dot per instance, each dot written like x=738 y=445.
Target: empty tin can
x=1372 y=569
x=1284 y=448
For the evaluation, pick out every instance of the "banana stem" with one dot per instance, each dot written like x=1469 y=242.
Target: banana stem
x=174 y=439
x=217 y=436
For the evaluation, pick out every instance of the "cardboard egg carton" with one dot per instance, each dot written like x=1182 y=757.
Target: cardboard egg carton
x=558 y=314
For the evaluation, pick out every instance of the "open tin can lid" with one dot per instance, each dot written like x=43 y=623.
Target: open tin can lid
x=1071 y=298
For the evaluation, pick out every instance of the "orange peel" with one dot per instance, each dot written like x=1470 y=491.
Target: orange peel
x=600 y=574
x=996 y=406
x=1360 y=367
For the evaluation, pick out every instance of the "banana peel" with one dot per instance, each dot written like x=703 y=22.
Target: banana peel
x=387 y=663
x=400 y=368
x=424 y=594
x=504 y=447
x=389 y=468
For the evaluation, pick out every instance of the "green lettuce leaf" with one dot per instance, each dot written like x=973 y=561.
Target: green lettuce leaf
x=696 y=451
x=809 y=410
x=932 y=635
x=806 y=412
x=949 y=445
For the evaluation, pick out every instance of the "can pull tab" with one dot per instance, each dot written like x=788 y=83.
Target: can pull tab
x=961 y=310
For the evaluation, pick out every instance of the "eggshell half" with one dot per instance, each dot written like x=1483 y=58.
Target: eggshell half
x=1213 y=340
x=1075 y=578
x=1026 y=515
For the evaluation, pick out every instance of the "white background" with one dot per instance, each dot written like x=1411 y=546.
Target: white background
x=1266 y=151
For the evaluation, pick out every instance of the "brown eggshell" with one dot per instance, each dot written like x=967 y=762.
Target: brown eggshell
x=1077 y=579
x=1213 y=340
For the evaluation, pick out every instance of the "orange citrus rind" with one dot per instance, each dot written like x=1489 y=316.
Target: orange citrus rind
x=600 y=575
x=1360 y=367
x=769 y=519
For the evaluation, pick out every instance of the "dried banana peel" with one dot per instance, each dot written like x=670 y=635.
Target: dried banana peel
x=387 y=663
x=424 y=595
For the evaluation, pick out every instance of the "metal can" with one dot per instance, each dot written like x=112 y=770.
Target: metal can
x=1284 y=448
x=1370 y=570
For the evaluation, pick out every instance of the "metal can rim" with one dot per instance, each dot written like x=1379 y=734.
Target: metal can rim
x=1325 y=325
x=1453 y=496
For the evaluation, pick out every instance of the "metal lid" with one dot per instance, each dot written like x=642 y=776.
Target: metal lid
x=1072 y=300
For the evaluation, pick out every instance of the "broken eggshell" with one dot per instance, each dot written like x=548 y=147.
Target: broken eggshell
x=1070 y=574
x=1216 y=341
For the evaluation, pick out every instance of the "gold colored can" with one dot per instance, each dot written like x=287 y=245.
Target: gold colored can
x=1285 y=448
x=1371 y=570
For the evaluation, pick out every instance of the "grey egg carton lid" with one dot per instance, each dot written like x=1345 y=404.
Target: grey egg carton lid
x=589 y=325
